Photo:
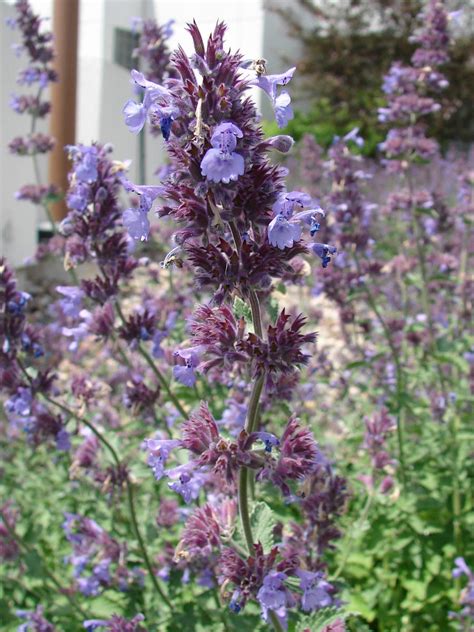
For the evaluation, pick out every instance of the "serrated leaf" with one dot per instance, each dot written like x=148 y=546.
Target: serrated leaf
x=242 y=310
x=263 y=523
x=317 y=621
x=273 y=309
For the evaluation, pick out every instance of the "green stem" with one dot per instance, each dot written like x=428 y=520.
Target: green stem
x=256 y=314
x=398 y=373
x=275 y=621
x=145 y=355
x=244 y=473
x=26 y=547
x=45 y=205
x=352 y=534
x=250 y=424
x=456 y=499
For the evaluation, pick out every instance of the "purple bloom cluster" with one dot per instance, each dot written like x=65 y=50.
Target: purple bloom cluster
x=37 y=44
x=217 y=155
x=34 y=621
x=153 y=48
x=408 y=87
x=20 y=342
x=99 y=561
x=219 y=341
x=93 y=227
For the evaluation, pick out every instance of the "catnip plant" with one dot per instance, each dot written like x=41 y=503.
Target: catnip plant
x=237 y=231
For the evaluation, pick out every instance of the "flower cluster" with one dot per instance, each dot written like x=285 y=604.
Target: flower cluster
x=215 y=164
x=19 y=342
x=263 y=577
x=99 y=561
x=34 y=621
x=37 y=44
x=408 y=87
x=92 y=227
x=219 y=341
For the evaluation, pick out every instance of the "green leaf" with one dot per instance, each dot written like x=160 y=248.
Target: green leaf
x=34 y=564
x=263 y=523
x=416 y=588
x=317 y=621
x=453 y=359
x=242 y=310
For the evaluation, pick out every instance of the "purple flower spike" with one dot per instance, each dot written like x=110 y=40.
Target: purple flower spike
x=222 y=163
x=282 y=233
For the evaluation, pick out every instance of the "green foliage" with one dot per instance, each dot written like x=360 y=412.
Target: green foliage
x=344 y=59
x=317 y=621
x=242 y=310
x=263 y=523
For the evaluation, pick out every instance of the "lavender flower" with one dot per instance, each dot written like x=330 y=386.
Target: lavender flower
x=222 y=163
x=273 y=595
x=34 y=621
x=116 y=624
x=316 y=591
x=281 y=102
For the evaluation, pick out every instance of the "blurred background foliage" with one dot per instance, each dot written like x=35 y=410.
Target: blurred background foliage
x=347 y=47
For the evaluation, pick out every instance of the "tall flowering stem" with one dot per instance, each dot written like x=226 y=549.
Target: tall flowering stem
x=37 y=43
x=238 y=231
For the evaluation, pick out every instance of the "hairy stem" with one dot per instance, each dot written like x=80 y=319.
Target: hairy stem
x=250 y=424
